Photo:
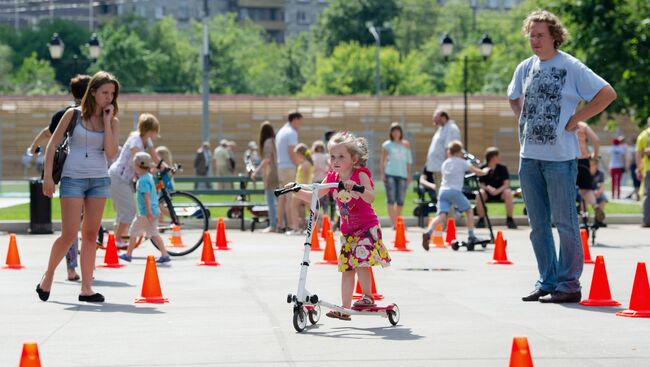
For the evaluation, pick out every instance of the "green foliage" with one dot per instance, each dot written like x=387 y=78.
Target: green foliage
x=5 y=69
x=415 y=24
x=345 y=21
x=35 y=77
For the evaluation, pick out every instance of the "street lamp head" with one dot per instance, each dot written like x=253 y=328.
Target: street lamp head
x=369 y=24
x=485 y=46
x=56 y=47
x=94 y=47
x=446 y=45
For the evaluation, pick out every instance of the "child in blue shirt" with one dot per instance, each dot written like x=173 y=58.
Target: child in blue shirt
x=146 y=220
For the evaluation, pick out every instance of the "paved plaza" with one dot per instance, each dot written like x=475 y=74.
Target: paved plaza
x=456 y=310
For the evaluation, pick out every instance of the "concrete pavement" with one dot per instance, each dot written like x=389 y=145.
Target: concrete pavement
x=455 y=309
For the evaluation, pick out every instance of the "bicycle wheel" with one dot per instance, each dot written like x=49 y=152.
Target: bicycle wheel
x=182 y=221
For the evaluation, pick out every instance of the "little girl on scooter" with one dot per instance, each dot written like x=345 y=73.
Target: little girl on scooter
x=361 y=243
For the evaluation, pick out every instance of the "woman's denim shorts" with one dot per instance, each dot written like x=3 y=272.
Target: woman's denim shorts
x=395 y=190
x=84 y=187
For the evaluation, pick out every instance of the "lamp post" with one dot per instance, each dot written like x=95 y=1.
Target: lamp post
x=205 y=62
x=376 y=34
x=485 y=49
x=56 y=47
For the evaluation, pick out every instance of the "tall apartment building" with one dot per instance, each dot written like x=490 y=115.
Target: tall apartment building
x=280 y=18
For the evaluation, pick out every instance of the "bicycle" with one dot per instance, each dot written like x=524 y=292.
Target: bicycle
x=179 y=210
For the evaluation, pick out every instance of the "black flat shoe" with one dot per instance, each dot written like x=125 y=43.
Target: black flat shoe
x=535 y=295
x=43 y=295
x=562 y=297
x=97 y=297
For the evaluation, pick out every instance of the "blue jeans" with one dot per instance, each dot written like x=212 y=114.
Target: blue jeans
x=271 y=202
x=549 y=190
x=395 y=190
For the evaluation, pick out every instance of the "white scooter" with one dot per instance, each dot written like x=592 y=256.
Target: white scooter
x=306 y=304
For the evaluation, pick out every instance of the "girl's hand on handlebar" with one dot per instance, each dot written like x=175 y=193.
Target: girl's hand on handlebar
x=349 y=184
x=289 y=185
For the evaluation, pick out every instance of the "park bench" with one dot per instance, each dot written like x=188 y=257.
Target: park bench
x=239 y=193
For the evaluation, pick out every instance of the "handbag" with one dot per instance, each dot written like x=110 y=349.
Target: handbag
x=63 y=149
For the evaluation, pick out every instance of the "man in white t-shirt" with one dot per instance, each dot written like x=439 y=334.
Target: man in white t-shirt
x=544 y=94
x=446 y=133
x=285 y=141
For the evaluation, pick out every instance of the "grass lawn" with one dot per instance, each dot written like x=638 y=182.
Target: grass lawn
x=21 y=212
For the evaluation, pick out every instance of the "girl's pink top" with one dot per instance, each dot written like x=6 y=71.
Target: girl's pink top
x=356 y=213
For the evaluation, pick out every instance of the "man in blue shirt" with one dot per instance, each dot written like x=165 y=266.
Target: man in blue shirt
x=544 y=93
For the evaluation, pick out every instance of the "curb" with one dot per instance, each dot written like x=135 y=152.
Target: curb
x=22 y=227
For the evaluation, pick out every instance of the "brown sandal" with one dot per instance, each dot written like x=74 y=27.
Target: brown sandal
x=338 y=315
x=365 y=301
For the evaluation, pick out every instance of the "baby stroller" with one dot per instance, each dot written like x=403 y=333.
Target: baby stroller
x=470 y=190
x=259 y=213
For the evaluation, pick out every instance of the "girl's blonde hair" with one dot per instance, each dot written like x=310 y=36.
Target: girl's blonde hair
x=148 y=122
x=165 y=154
x=302 y=149
x=88 y=101
x=356 y=146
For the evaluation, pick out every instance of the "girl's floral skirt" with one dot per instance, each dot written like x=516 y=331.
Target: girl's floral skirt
x=363 y=248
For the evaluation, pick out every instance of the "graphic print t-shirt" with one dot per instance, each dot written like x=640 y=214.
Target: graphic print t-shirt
x=551 y=91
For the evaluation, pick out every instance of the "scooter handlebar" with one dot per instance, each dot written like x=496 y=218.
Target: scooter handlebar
x=295 y=188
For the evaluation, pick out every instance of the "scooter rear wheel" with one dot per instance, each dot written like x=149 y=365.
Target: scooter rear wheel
x=393 y=315
x=314 y=314
x=299 y=319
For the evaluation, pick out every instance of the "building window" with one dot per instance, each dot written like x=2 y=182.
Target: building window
x=492 y=4
x=159 y=12
x=301 y=17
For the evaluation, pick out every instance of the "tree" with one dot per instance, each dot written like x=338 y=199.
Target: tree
x=35 y=77
x=6 y=84
x=345 y=21
x=612 y=37
x=415 y=24
x=176 y=66
x=126 y=56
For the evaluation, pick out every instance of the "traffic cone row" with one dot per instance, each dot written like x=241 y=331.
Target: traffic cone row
x=176 y=239
x=326 y=227
x=329 y=256
x=221 y=241
x=13 y=258
x=315 y=245
x=207 y=256
x=451 y=232
x=499 y=256
x=584 y=237
x=400 y=236
x=437 y=240
x=110 y=256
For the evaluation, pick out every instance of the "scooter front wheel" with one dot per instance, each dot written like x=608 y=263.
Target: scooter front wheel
x=299 y=319
x=393 y=315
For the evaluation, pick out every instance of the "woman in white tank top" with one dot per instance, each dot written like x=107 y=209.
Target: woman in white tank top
x=85 y=182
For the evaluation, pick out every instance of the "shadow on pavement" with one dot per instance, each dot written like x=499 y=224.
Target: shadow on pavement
x=108 y=283
x=385 y=332
x=603 y=309
x=108 y=307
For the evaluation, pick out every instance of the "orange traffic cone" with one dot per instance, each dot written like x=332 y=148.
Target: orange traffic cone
x=358 y=293
x=326 y=227
x=599 y=294
x=400 y=236
x=640 y=300
x=437 y=240
x=329 y=256
x=207 y=257
x=451 y=231
x=29 y=357
x=500 y=256
x=176 y=239
x=110 y=256
x=315 y=245
x=13 y=258
x=151 y=292
x=221 y=242
x=584 y=236
x=520 y=354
